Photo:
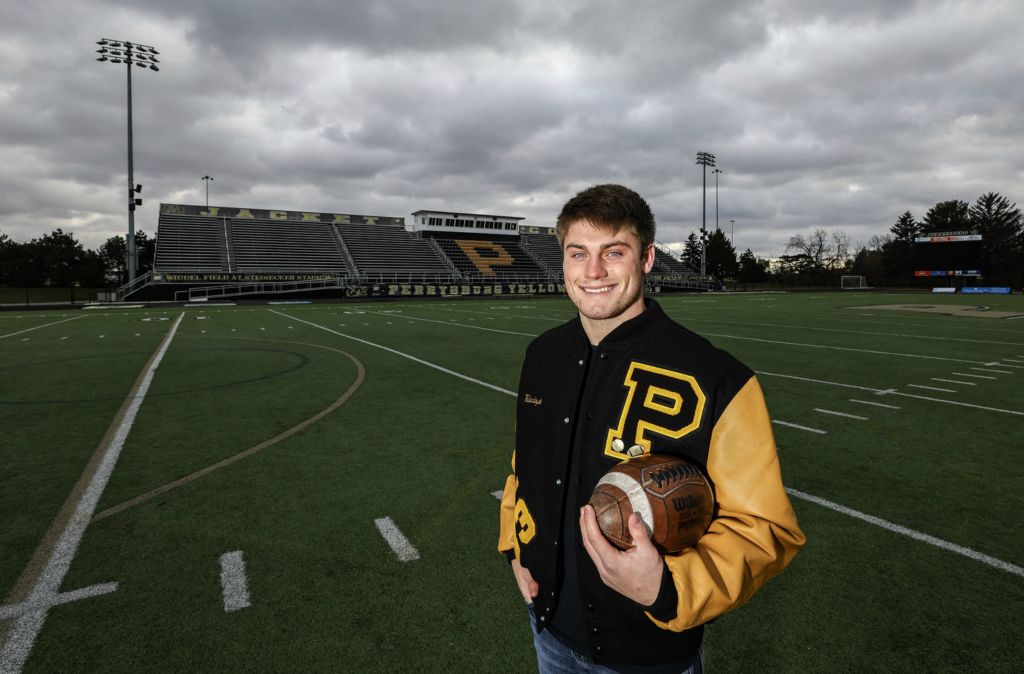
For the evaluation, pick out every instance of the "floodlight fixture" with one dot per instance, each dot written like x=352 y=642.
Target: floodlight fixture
x=207 y=180
x=129 y=53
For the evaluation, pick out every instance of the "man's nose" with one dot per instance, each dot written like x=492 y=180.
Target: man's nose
x=595 y=267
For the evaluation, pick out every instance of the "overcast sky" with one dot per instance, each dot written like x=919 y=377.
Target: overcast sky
x=821 y=114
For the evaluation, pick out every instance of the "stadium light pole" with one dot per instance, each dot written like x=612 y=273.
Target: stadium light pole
x=207 y=180
x=732 y=230
x=143 y=56
x=706 y=159
x=716 y=172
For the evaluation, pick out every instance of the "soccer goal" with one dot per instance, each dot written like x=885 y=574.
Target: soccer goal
x=854 y=282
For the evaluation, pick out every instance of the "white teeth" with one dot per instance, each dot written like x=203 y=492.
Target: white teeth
x=596 y=291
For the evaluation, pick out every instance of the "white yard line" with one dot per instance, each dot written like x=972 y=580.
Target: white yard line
x=975 y=376
x=24 y=632
x=396 y=540
x=954 y=381
x=461 y=325
x=399 y=353
x=959 y=403
x=13 y=610
x=971 y=340
x=498 y=494
x=840 y=414
x=932 y=388
x=38 y=327
x=982 y=369
x=798 y=426
x=868 y=402
x=821 y=381
x=233 y=581
x=843 y=348
x=911 y=533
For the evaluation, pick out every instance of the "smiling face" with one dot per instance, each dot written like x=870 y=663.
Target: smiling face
x=604 y=275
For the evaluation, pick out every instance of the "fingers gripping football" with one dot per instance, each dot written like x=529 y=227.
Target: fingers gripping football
x=635 y=573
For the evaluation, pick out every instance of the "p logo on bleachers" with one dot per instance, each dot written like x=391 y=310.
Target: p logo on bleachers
x=486 y=255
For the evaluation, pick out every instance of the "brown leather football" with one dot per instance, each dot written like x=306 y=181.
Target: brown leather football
x=670 y=494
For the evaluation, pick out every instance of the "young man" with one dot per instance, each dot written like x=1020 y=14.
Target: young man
x=622 y=370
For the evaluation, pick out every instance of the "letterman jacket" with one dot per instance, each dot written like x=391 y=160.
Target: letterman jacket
x=654 y=383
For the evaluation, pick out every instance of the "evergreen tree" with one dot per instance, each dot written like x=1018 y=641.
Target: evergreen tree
x=906 y=228
x=1000 y=224
x=691 y=252
x=947 y=216
x=720 y=258
x=750 y=269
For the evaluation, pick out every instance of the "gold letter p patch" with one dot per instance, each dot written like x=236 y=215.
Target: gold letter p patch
x=658 y=402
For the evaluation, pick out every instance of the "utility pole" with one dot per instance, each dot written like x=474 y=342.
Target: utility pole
x=143 y=56
x=706 y=159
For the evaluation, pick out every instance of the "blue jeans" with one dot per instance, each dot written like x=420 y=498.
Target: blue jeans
x=554 y=657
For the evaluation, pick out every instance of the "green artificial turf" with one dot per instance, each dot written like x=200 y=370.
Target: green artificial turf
x=427 y=448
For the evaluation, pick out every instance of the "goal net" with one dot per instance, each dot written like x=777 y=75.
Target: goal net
x=854 y=282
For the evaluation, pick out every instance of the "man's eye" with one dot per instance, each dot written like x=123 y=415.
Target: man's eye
x=614 y=253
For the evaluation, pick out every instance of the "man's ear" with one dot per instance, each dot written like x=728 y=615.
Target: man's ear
x=649 y=258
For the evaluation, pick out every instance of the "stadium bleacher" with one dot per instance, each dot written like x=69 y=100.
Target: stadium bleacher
x=191 y=244
x=388 y=250
x=276 y=245
x=545 y=248
x=666 y=263
x=490 y=259
x=358 y=254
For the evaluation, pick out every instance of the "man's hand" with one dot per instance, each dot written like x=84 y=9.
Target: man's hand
x=635 y=573
x=528 y=587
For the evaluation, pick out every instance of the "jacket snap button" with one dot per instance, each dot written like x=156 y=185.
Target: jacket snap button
x=559 y=481
x=581 y=362
x=566 y=420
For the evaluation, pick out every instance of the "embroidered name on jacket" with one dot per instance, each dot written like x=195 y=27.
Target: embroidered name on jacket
x=659 y=402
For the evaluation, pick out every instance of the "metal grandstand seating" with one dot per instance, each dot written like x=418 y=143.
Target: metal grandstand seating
x=388 y=251
x=190 y=244
x=666 y=263
x=281 y=245
x=545 y=248
x=490 y=259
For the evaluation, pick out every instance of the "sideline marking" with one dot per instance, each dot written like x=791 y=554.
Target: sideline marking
x=232 y=581
x=24 y=632
x=911 y=533
x=868 y=402
x=840 y=414
x=954 y=381
x=981 y=369
x=396 y=540
x=802 y=428
x=399 y=353
x=933 y=388
x=12 y=334
x=12 y=610
x=976 y=376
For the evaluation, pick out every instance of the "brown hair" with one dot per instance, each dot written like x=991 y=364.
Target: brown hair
x=609 y=206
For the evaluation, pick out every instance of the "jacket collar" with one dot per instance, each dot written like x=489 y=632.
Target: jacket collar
x=628 y=332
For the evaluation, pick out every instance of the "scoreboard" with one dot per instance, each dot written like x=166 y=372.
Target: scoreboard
x=947 y=254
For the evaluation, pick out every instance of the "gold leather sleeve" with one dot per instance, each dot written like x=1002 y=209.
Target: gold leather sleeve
x=507 y=529
x=755 y=534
